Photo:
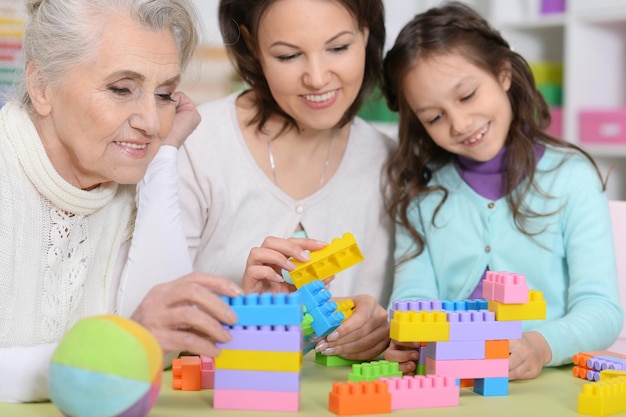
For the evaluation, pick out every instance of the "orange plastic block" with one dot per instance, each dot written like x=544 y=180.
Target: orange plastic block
x=581 y=358
x=338 y=255
x=466 y=382
x=497 y=349
x=534 y=309
x=419 y=326
x=603 y=398
x=580 y=372
x=186 y=373
x=354 y=398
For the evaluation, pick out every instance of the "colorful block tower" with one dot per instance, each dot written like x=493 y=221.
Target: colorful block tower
x=259 y=368
x=469 y=339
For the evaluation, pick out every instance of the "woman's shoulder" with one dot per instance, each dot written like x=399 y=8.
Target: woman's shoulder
x=364 y=131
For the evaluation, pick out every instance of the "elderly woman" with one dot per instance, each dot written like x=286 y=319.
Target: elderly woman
x=97 y=102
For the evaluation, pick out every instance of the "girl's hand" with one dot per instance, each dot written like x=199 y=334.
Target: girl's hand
x=528 y=356
x=363 y=335
x=187 y=314
x=406 y=354
x=263 y=267
x=186 y=120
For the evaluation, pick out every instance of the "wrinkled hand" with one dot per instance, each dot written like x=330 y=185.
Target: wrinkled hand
x=528 y=356
x=406 y=354
x=264 y=264
x=186 y=120
x=363 y=335
x=187 y=314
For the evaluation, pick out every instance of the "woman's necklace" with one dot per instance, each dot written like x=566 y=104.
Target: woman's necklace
x=326 y=163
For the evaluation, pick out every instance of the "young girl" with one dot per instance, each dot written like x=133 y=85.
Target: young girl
x=478 y=185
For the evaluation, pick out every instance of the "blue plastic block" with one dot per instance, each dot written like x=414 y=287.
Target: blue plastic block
x=266 y=309
x=316 y=301
x=491 y=387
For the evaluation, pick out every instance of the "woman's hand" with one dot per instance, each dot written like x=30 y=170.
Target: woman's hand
x=186 y=120
x=528 y=356
x=187 y=314
x=406 y=354
x=263 y=267
x=363 y=335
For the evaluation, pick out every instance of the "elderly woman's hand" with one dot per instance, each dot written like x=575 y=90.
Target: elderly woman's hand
x=187 y=314
x=363 y=335
x=186 y=120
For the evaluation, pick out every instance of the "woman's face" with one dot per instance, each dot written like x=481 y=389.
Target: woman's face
x=464 y=109
x=313 y=57
x=106 y=120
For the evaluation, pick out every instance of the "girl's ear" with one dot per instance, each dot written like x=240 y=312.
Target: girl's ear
x=247 y=38
x=506 y=73
x=38 y=90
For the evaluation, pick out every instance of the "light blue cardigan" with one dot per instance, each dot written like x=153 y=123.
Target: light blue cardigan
x=571 y=261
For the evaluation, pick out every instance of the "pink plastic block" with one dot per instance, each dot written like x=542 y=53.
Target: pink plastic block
x=470 y=349
x=265 y=338
x=464 y=369
x=603 y=126
x=420 y=391
x=207 y=372
x=481 y=325
x=505 y=287
x=257 y=380
x=556 y=123
x=229 y=399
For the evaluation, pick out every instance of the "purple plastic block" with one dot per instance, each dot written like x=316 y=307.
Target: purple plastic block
x=264 y=338
x=423 y=350
x=600 y=364
x=552 y=6
x=481 y=325
x=266 y=309
x=593 y=375
x=470 y=349
x=257 y=380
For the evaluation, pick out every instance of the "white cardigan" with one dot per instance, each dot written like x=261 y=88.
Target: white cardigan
x=229 y=205
x=62 y=250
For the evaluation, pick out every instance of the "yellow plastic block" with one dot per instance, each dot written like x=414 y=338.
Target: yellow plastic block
x=338 y=255
x=419 y=326
x=611 y=373
x=603 y=398
x=534 y=309
x=346 y=307
x=254 y=360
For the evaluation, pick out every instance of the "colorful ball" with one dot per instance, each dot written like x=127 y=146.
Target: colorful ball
x=106 y=366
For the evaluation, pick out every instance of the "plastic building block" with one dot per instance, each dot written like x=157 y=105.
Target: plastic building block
x=419 y=391
x=317 y=302
x=346 y=307
x=470 y=349
x=265 y=338
x=207 y=372
x=252 y=360
x=603 y=398
x=186 y=375
x=370 y=371
x=338 y=255
x=610 y=373
x=227 y=399
x=497 y=349
x=354 y=398
x=334 y=360
x=466 y=382
x=481 y=325
x=424 y=326
x=534 y=309
x=258 y=380
x=505 y=287
x=416 y=305
x=598 y=363
x=423 y=354
x=266 y=309
x=491 y=387
x=420 y=369
x=464 y=305
x=477 y=368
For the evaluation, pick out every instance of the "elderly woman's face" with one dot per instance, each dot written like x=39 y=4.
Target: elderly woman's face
x=106 y=122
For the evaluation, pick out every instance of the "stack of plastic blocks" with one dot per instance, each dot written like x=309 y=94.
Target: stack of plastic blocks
x=605 y=397
x=193 y=373
x=259 y=368
x=324 y=314
x=588 y=365
x=466 y=339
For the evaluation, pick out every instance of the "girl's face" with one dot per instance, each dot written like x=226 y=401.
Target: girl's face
x=313 y=57
x=106 y=121
x=464 y=108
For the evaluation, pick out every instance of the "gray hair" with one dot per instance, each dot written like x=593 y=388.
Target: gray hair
x=60 y=34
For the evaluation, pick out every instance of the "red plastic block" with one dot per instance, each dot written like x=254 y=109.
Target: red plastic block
x=505 y=287
x=474 y=368
x=354 y=398
x=422 y=392
x=229 y=399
